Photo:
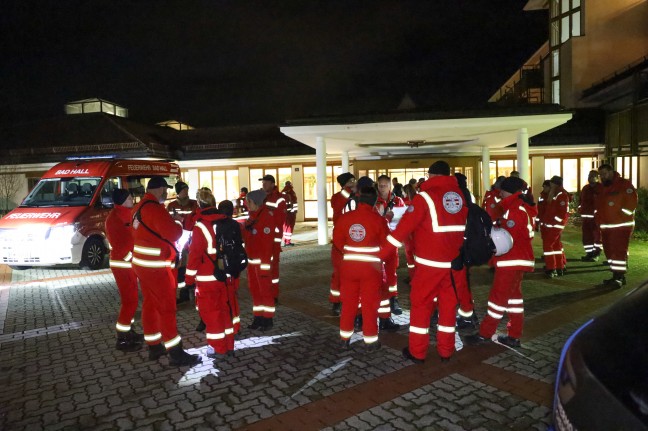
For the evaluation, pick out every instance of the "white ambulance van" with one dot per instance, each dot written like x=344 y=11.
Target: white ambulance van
x=61 y=221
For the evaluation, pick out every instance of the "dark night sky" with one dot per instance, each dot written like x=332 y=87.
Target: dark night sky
x=216 y=62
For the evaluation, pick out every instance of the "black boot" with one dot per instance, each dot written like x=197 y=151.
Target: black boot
x=395 y=306
x=156 y=351
x=408 y=355
x=475 y=340
x=179 y=358
x=468 y=322
x=257 y=323
x=551 y=273
x=126 y=343
x=134 y=336
x=618 y=279
x=509 y=341
x=387 y=324
x=266 y=324
x=561 y=271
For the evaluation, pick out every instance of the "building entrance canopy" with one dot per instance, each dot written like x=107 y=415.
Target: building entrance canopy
x=415 y=134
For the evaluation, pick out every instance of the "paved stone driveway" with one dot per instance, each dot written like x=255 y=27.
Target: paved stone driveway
x=59 y=368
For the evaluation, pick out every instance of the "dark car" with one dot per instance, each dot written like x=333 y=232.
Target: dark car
x=602 y=380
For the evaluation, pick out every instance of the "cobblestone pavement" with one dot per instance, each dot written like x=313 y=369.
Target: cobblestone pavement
x=59 y=368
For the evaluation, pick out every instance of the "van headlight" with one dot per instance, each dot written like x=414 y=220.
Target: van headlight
x=62 y=233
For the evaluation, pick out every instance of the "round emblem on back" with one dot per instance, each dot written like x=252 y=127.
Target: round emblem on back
x=629 y=191
x=611 y=203
x=510 y=224
x=452 y=202
x=357 y=232
x=266 y=230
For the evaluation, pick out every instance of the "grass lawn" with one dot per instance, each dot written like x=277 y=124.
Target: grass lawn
x=582 y=281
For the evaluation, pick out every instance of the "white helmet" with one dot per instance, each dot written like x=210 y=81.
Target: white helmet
x=502 y=240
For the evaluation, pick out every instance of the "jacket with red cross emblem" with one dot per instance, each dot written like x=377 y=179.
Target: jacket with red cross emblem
x=518 y=220
x=437 y=220
x=338 y=201
x=556 y=210
x=202 y=251
x=149 y=249
x=616 y=204
x=259 y=238
x=120 y=236
x=358 y=234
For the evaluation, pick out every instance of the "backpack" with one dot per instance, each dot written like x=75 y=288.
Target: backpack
x=231 y=258
x=478 y=247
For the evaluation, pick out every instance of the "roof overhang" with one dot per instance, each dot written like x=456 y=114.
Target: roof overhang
x=426 y=136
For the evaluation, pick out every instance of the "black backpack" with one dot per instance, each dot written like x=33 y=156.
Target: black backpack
x=478 y=247
x=231 y=258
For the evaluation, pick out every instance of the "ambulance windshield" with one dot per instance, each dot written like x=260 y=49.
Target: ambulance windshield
x=62 y=192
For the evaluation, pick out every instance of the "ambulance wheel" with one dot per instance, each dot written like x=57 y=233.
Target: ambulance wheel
x=94 y=253
x=19 y=268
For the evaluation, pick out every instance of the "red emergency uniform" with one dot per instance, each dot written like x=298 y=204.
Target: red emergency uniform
x=357 y=236
x=553 y=221
x=338 y=201
x=259 y=245
x=389 y=287
x=590 y=229
x=153 y=262
x=120 y=238
x=506 y=293
x=437 y=219
x=277 y=206
x=491 y=204
x=615 y=209
x=291 y=213
x=216 y=300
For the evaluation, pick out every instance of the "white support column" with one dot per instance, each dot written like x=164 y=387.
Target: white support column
x=485 y=171
x=322 y=218
x=345 y=161
x=523 y=154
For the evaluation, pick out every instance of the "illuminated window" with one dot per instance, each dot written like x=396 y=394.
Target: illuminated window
x=555 y=91
x=232 y=184
x=570 y=174
x=310 y=189
x=552 y=167
x=219 y=189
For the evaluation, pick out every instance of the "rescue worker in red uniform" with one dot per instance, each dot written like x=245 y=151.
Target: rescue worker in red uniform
x=542 y=204
x=590 y=229
x=118 y=232
x=259 y=244
x=554 y=219
x=357 y=236
x=506 y=293
x=185 y=208
x=290 y=196
x=436 y=217
x=615 y=209
x=492 y=198
x=389 y=290
x=338 y=201
x=154 y=259
x=277 y=208
x=214 y=298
